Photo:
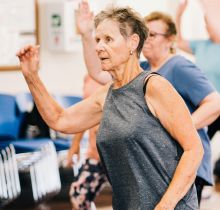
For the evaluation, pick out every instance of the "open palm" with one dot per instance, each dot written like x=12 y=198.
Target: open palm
x=84 y=18
x=182 y=6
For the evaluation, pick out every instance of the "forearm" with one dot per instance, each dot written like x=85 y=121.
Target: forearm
x=207 y=112
x=47 y=107
x=183 y=179
x=203 y=121
x=76 y=140
x=181 y=42
x=92 y=61
x=178 y=28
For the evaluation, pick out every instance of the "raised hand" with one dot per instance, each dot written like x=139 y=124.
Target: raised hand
x=75 y=150
x=84 y=18
x=181 y=8
x=29 y=59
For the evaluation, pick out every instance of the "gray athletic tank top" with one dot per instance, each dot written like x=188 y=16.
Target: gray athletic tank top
x=139 y=155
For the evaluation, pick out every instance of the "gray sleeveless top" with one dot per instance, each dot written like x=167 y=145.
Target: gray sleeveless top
x=139 y=155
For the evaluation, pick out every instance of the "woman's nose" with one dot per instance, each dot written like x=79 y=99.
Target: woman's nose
x=99 y=46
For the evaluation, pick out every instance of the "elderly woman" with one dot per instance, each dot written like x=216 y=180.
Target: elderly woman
x=189 y=81
x=205 y=51
x=150 y=155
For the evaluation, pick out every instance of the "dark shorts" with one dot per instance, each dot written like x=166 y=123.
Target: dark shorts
x=88 y=184
x=214 y=127
x=200 y=183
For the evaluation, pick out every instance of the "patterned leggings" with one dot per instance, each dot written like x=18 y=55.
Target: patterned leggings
x=88 y=184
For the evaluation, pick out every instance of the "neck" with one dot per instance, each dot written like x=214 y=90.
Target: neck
x=126 y=72
x=157 y=62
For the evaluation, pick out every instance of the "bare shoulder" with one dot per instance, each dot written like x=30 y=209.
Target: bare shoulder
x=157 y=84
x=161 y=93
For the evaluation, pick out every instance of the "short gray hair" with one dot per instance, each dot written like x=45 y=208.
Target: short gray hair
x=130 y=22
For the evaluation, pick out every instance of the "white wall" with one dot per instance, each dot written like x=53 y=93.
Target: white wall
x=193 y=23
x=63 y=73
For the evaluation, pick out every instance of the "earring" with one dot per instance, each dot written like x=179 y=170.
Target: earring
x=131 y=52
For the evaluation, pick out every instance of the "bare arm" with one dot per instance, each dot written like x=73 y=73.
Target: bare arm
x=211 y=20
x=170 y=109
x=75 y=148
x=181 y=42
x=208 y=111
x=85 y=27
x=70 y=120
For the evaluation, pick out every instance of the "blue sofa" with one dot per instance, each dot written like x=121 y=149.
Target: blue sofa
x=13 y=110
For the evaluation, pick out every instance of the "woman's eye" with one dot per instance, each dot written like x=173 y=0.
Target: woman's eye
x=152 y=35
x=108 y=39
x=97 y=40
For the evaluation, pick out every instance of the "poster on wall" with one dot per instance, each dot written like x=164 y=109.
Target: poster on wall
x=18 y=28
x=61 y=30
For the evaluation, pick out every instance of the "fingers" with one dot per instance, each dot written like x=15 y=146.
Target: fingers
x=83 y=8
x=69 y=161
x=28 y=49
x=183 y=3
x=78 y=156
x=28 y=52
x=85 y=5
x=69 y=164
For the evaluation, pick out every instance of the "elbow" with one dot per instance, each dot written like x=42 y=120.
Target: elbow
x=59 y=123
x=199 y=152
x=55 y=125
x=62 y=129
x=216 y=107
x=202 y=151
x=66 y=127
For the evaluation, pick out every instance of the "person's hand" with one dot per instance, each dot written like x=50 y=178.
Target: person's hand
x=29 y=59
x=162 y=207
x=71 y=152
x=84 y=18
x=165 y=205
x=181 y=8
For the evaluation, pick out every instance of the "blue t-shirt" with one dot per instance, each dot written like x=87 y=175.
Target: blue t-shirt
x=191 y=83
x=207 y=55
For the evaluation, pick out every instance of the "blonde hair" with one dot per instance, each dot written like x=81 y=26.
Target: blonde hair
x=167 y=20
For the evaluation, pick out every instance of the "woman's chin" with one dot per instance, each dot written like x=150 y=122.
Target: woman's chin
x=105 y=68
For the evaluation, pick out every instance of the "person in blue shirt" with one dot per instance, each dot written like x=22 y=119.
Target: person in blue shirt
x=191 y=83
x=206 y=54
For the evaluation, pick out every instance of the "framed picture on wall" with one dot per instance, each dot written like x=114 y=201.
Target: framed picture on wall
x=19 y=27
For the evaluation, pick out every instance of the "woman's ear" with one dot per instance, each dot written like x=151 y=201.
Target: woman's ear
x=134 y=41
x=172 y=38
x=171 y=43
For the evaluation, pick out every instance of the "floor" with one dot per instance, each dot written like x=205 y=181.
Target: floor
x=210 y=201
